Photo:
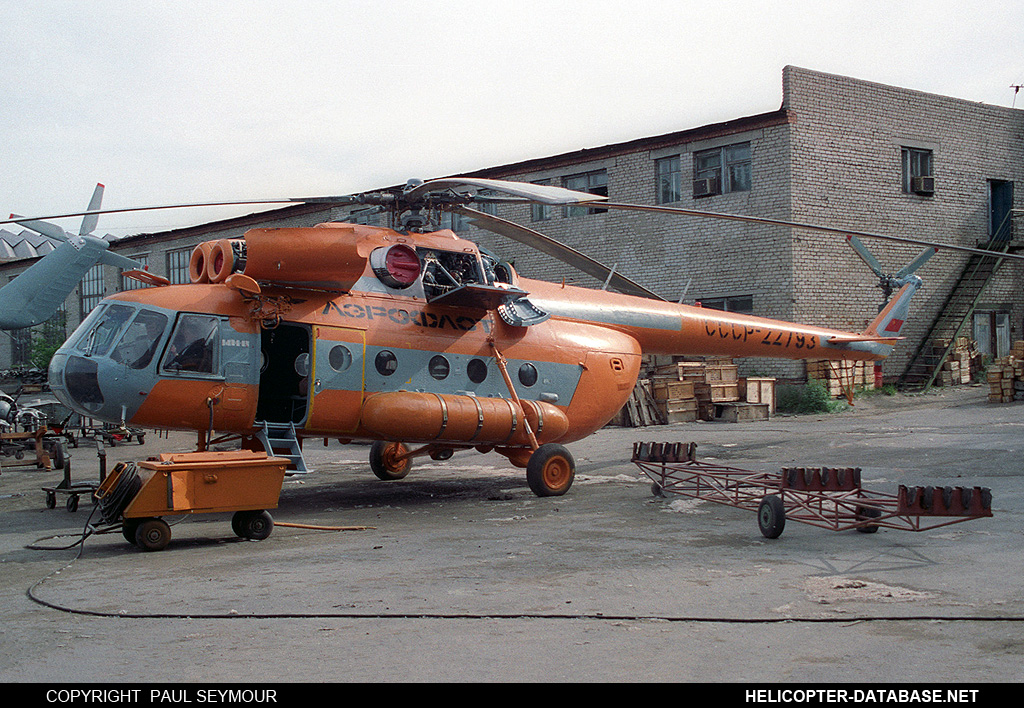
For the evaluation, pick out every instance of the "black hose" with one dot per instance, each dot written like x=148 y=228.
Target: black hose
x=124 y=488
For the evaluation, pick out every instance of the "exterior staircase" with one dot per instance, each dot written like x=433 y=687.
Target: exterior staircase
x=281 y=440
x=926 y=363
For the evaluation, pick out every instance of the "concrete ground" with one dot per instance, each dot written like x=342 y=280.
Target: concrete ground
x=462 y=574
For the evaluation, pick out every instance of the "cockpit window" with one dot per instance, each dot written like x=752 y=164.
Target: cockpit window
x=140 y=340
x=194 y=345
x=99 y=337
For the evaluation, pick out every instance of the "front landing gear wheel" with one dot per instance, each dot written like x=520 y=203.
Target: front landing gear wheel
x=152 y=535
x=550 y=470
x=387 y=461
x=771 y=517
x=254 y=525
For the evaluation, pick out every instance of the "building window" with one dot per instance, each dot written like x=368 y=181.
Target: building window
x=487 y=207
x=917 y=171
x=669 y=179
x=132 y=283
x=540 y=212
x=743 y=304
x=177 y=266
x=722 y=170
x=92 y=289
x=595 y=182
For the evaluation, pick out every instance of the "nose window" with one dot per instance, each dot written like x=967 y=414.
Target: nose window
x=140 y=340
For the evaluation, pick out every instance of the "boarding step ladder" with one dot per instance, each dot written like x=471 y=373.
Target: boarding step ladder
x=281 y=440
x=926 y=363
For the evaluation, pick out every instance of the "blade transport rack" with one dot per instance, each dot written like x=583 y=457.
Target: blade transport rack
x=826 y=497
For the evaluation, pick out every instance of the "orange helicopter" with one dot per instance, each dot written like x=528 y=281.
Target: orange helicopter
x=411 y=338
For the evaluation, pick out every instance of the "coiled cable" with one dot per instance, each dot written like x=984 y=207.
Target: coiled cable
x=124 y=486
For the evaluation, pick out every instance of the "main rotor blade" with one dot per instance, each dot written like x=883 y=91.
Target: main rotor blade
x=799 y=225
x=542 y=193
x=292 y=200
x=89 y=222
x=555 y=249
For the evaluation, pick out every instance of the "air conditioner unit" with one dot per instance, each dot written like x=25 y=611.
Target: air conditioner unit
x=922 y=185
x=705 y=187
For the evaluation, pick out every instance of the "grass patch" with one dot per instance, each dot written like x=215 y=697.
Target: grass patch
x=812 y=397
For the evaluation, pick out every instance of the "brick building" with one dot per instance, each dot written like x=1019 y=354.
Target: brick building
x=838 y=152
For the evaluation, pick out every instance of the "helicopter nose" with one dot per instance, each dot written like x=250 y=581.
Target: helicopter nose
x=75 y=382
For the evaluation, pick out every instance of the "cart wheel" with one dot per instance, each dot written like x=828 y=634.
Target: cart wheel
x=550 y=470
x=656 y=490
x=51 y=500
x=142 y=439
x=73 y=503
x=128 y=528
x=771 y=517
x=253 y=525
x=865 y=513
x=383 y=460
x=152 y=535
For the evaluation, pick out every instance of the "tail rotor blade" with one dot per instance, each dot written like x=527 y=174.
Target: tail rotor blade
x=89 y=222
x=917 y=262
x=865 y=255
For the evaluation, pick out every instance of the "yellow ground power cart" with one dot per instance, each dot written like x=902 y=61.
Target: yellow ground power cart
x=171 y=484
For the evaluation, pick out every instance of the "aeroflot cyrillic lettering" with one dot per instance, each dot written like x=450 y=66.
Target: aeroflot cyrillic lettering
x=419 y=318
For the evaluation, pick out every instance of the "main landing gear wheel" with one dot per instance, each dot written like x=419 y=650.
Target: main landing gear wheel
x=254 y=525
x=387 y=462
x=550 y=470
x=771 y=517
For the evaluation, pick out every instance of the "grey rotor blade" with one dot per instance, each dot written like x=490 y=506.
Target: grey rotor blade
x=921 y=259
x=799 y=225
x=556 y=249
x=541 y=193
x=124 y=210
x=89 y=222
x=866 y=255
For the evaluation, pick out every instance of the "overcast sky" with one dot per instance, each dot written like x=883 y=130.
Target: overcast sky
x=168 y=102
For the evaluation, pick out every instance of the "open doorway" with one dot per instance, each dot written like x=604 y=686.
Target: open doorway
x=284 y=374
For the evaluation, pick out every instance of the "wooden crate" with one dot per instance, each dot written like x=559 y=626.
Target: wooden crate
x=759 y=390
x=721 y=373
x=679 y=411
x=742 y=412
x=670 y=389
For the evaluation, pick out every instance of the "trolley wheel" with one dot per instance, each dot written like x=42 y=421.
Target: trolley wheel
x=253 y=525
x=73 y=503
x=51 y=500
x=550 y=470
x=864 y=513
x=657 y=491
x=771 y=517
x=385 y=463
x=152 y=535
x=128 y=527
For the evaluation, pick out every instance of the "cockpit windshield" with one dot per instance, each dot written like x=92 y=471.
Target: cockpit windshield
x=97 y=339
x=140 y=340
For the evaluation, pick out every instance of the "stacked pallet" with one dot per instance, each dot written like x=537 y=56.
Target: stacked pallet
x=962 y=363
x=838 y=376
x=1006 y=376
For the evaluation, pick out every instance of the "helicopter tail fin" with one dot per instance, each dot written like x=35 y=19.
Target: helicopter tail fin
x=894 y=315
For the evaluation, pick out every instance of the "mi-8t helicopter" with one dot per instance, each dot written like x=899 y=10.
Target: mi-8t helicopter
x=411 y=337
